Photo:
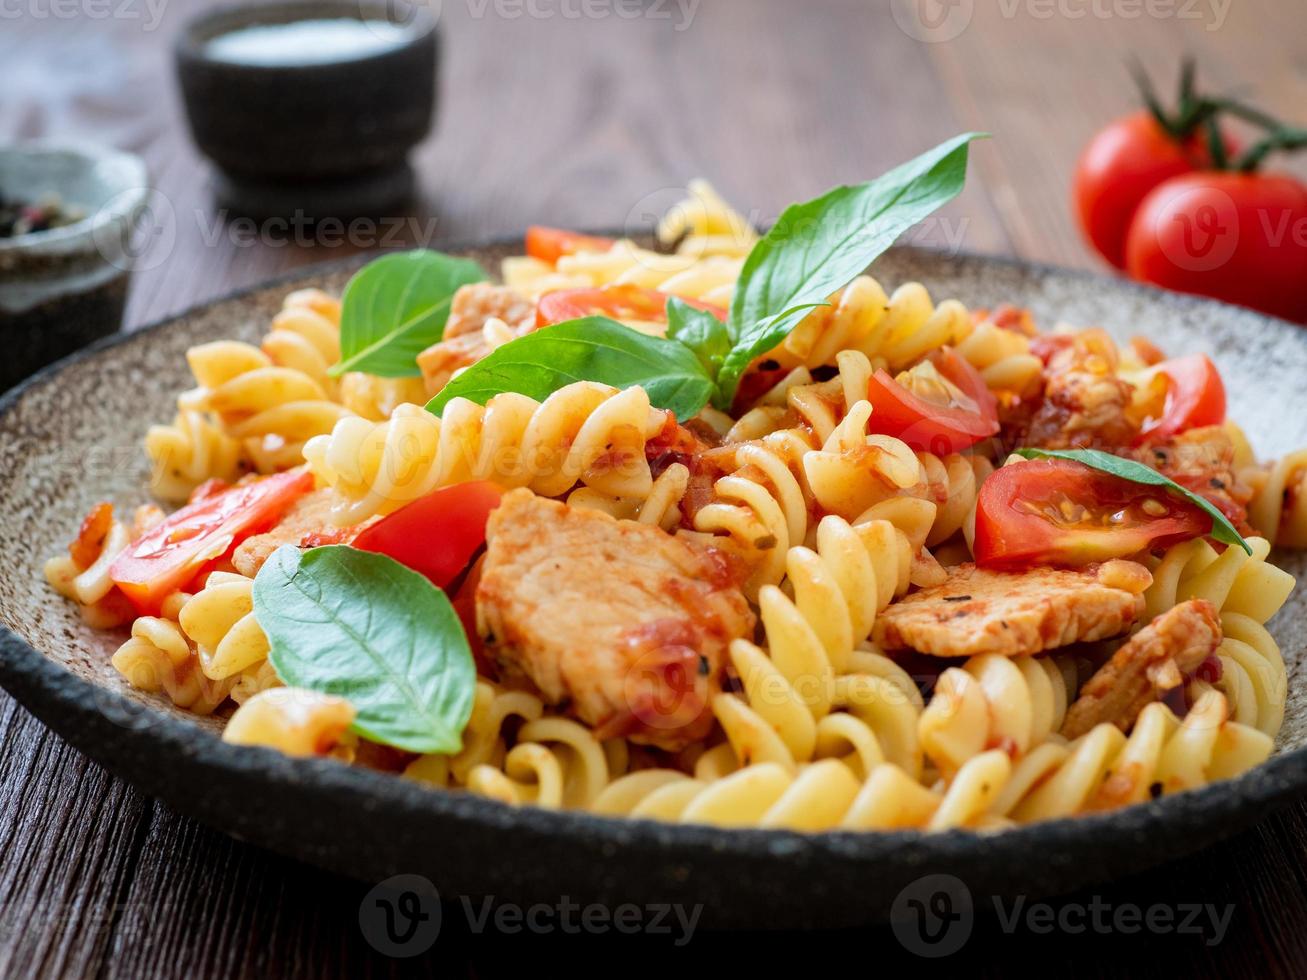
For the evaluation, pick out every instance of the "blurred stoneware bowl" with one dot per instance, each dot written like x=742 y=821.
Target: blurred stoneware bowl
x=64 y=287
x=312 y=111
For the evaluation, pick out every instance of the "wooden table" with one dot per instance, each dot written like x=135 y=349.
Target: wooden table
x=580 y=122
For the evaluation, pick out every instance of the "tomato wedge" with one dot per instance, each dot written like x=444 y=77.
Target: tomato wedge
x=551 y=244
x=1060 y=512
x=1195 y=397
x=933 y=426
x=170 y=556
x=438 y=534
x=625 y=302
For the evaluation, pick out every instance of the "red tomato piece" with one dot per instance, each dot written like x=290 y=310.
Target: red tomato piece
x=930 y=426
x=757 y=381
x=1060 y=512
x=465 y=605
x=1121 y=164
x=170 y=556
x=623 y=302
x=1237 y=237
x=1195 y=397
x=550 y=244
x=438 y=534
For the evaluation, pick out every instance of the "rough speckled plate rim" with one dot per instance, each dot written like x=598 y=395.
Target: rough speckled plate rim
x=52 y=692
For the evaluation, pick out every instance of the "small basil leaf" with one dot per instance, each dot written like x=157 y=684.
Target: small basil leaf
x=363 y=627
x=395 y=308
x=591 y=349
x=821 y=246
x=1135 y=472
x=700 y=331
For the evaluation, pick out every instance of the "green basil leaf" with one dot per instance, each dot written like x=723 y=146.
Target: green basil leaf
x=1135 y=472
x=700 y=331
x=363 y=627
x=821 y=246
x=594 y=348
x=395 y=308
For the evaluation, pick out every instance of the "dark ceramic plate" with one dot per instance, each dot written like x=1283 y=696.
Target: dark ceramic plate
x=72 y=436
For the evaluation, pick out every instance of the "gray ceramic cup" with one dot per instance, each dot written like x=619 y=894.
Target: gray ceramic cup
x=62 y=288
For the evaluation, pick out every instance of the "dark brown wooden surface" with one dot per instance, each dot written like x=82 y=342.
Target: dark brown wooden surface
x=582 y=122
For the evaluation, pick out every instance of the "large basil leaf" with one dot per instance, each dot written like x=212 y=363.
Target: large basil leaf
x=821 y=246
x=591 y=349
x=1135 y=472
x=363 y=627
x=396 y=307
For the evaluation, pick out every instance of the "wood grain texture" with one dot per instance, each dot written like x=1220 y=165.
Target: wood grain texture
x=596 y=122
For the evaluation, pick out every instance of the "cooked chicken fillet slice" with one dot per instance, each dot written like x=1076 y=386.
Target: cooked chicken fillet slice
x=306 y=523
x=621 y=621
x=1148 y=665
x=1015 y=613
x=466 y=339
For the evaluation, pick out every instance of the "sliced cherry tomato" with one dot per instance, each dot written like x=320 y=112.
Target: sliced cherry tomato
x=550 y=244
x=625 y=302
x=1237 y=237
x=1195 y=397
x=171 y=555
x=928 y=425
x=1060 y=512
x=438 y=534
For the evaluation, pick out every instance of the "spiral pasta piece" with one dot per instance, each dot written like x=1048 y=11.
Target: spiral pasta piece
x=1279 y=510
x=1001 y=356
x=704 y=224
x=219 y=620
x=159 y=658
x=661 y=507
x=556 y=763
x=893 y=331
x=189 y=451
x=1016 y=703
x=854 y=471
x=291 y=720
x=763 y=504
x=584 y=432
x=953 y=481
